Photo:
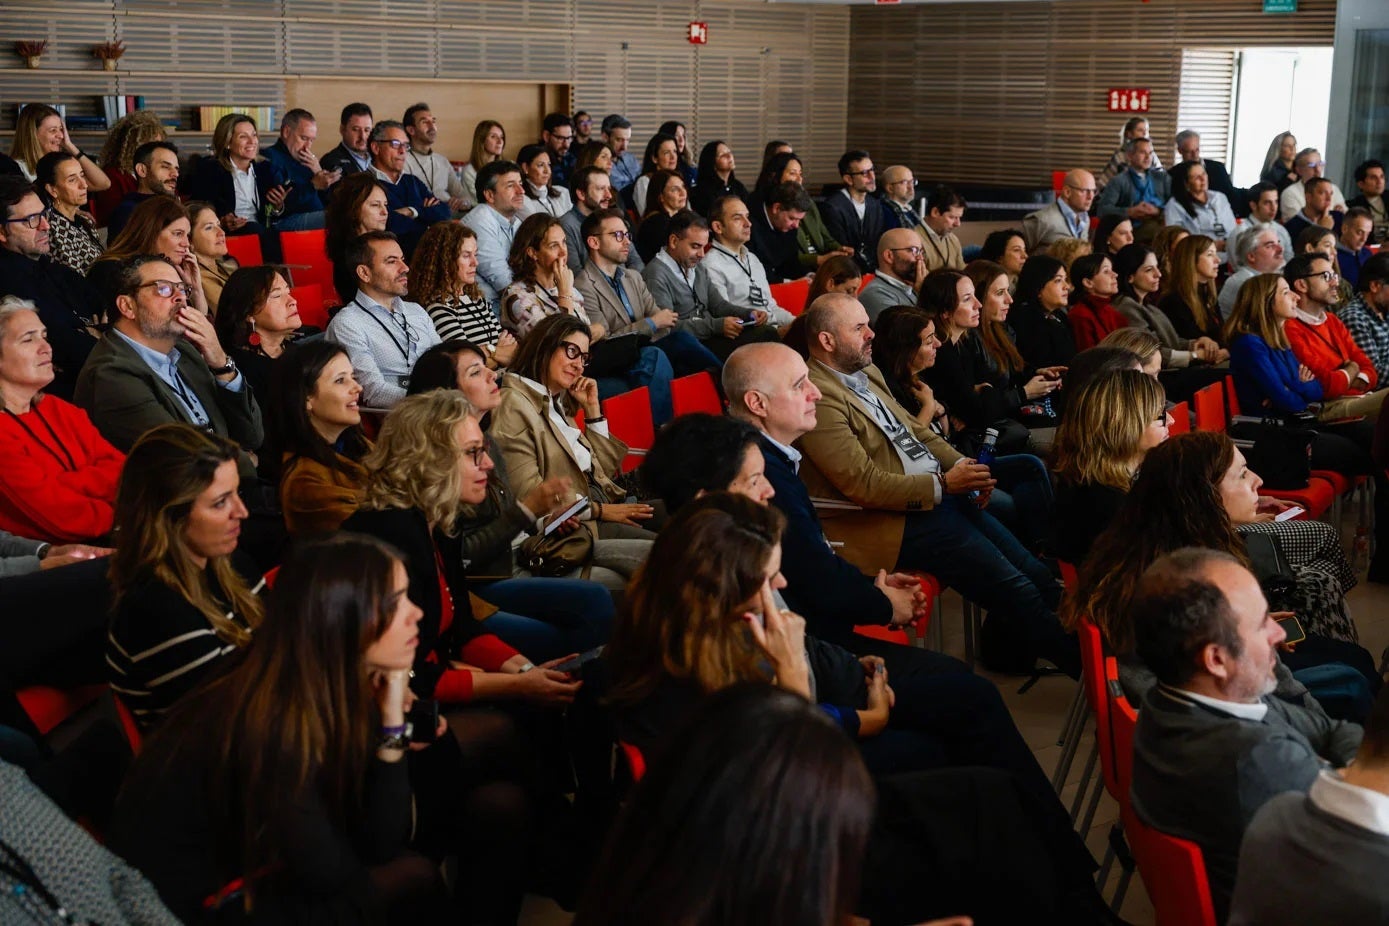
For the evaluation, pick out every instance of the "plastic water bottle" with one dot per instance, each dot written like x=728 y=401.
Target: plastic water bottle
x=986 y=453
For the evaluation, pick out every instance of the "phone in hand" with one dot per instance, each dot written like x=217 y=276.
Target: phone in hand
x=571 y=666
x=579 y=505
x=424 y=722
x=1293 y=628
x=1288 y=514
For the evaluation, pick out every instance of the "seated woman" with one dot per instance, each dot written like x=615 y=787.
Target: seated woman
x=62 y=186
x=358 y=206
x=715 y=177
x=315 y=425
x=1191 y=302
x=209 y=242
x=288 y=792
x=1008 y=249
x=662 y=153
x=541 y=195
x=443 y=279
x=1093 y=288
x=1197 y=208
x=179 y=607
x=39 y=130
x=1195 y=490
x=666 y=195
x=999 y=360
x=60 y=474
x=1111 y=422
x=839 y=274
x=489 y=141
x=535 y=429
x=813 y=240
x=117 y=158
x=1043 y=335
x=1140 y=279
x=1164 y=246
x=248 y=206
x=1112 y=234
x=593 y=154
x=159 y=225
x=258 y=320
x=684 y=165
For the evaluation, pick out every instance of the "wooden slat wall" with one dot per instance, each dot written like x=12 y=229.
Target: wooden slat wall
x=769 y=70
x=1007 y=92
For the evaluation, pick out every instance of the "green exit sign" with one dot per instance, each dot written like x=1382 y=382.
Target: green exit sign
x=1280 y=6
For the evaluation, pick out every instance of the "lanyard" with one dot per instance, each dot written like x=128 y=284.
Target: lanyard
x=61 y=446
x=756 y=297
x=199 y=418
x=416 y=158
x=405 y=327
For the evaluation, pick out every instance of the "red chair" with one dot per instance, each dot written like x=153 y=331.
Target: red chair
x=636 y=762
x=696 y=393
x=791 y=295
x=629 y=420
x=304 y=255
x=1173 y=871
x=129 y=727
x=246 y=250
x=48 y=707
x=1210 y=408
x=919 y=628
x=867 y=278
x=1340 y=484
x=310 y=300
x=1058 y=181
x=1181 y=419
x=1069 y=576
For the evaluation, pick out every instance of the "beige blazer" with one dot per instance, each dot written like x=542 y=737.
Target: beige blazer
x=848 y=458
x=1044 y=226
x=603 y=304
x=535 y=449
x=942 y=253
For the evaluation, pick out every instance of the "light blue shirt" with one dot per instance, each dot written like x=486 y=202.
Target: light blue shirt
x=494 y=237
x=165 y=366
x=1079 y=222
x=626 y=170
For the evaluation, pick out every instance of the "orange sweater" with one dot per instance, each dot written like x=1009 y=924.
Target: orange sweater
x=1324 y=348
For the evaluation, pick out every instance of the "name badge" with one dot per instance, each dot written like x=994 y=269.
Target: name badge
x=909 y=445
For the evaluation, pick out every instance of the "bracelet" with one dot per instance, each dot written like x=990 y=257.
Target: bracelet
x=81 y=154
x=599 y=507
x=398 y=730
x=595 y=419
x=42 y=551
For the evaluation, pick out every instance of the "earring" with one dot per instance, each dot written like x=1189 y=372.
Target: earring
x=252 y=339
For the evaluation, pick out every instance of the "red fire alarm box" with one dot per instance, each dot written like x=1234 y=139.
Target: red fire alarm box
x=1128 y=100
x=699 y=34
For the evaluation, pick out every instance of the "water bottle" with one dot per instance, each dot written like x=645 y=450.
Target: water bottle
x=986 y=453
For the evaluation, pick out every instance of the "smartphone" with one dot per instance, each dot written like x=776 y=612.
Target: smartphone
x=1288 y=513
x=581 y=660
x=424 y=722
x=1293 y=628
x=580 y=504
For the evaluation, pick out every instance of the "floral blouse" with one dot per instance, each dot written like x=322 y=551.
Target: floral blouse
x=525 y=304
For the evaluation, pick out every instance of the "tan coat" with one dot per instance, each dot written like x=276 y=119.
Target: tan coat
x=215 y=274
x=316 y=499
x=943 y=253
x=849 y=458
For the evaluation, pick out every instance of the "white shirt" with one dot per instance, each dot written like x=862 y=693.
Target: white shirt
x=735 y=275
x=859 y=207
x=1294 y=197
x=1358 y=806
x=247 y=196
x=544 y=202
x=1240 y=709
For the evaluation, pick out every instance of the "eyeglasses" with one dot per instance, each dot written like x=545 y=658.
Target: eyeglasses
x=909 y=181
x=561 y=137
x=620 y=235
x=914 y=250
x=1081 y=189
x=1327 y=275
x=396 y=143
x=1313 y=164
x=862 y=173
x=478 y=453
x=575 y=352
x=30 y=221
x=165 y=289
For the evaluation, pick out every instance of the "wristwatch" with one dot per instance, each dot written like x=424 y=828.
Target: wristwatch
x=42 y=551
x=223 y=371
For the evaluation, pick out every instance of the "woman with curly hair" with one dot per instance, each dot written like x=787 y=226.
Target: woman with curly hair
x=117 y=158
x=443 y=279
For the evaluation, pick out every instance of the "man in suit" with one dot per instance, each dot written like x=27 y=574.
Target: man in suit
x=353 y=154
x=915 y=502
x=622 y=300
x=1189 y=150
x=1139 y=192
x=853 y=216
x=899 y=192
x=1213 y=743
x=413 y=206
x=677 y=278
x=945 y=209
x=776 y=225
x=1068 y=217
x=161 y=362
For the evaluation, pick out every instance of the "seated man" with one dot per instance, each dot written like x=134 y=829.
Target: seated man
x=1068 y=217
x=735 y=273
x=1307 y=164
x=868 y=451
x=1255 y=252
x=617 y=133
x=68 y=305
x=353 y=153
x=161 y=362
x=677 y=278
x=944 y=211
x=1263 y=213
x=1366 y=315
x=500 y=195
x=592 y=190
x=156 y=174
x=557 y=135
x=382 y=333
x=1316 y=208
x=1351 y=252
x=1213 y=745
x=901 y=268
x=427 y=164
x=292 y=154
x=413 y=208
x=620 y=300
x=1139 y=192
x=899 y=196
x=1369 y=177
x=1322 y=343
x=776 y=223
x=1319 y=857
x=853 y=217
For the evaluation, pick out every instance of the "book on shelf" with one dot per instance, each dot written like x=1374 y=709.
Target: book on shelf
x=115 y=105
x=209 y=116
x=62 y=109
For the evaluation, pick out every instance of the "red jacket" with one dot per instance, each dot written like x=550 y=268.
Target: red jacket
x=1091 y=319
x=1325 y=347
x=58 y=475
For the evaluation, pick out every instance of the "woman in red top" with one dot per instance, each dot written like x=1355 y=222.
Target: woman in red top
x=58 y=475
x=1094 y=284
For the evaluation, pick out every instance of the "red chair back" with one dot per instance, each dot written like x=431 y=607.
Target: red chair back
x=246 y=250
x=867 y=278
x=304 y=255
x=1069 y=575
x=791 y=295
x=133 y=736
x=1174 y=872
x=48 y=707
x=1210 y=407
x=1123 y=723
x=696 y=393
x=636 y=762
x=629 y=420
x=1181 y=419
x=1231 y=398
x=1058 y=181
x=310 y=300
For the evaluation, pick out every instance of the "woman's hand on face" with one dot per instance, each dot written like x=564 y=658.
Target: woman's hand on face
x=505 y=351
x=585 y=392
x=564 y=277
x=781 y=635
x=393 y=696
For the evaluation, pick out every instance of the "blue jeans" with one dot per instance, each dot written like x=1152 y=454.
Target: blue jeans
x=1023 y=498
x=969 y=550
x=549 y=618
x=653 y=371
x=687 y=355
x=300 y=221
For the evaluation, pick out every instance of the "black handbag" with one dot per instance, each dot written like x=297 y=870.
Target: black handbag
x=1270 y=566
x=1279 y=452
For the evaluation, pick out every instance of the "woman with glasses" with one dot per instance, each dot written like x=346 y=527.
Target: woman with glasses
x=1197 y=208
x=1192 y=303
x=159 y=225
x=489 y=141
x=1043 y=336
x=40 y=130
x=72 y=238
x=715 y=177
x=443 y=279
x=541 y=194
x=245 y=189
x=258 y=321
x=666 y=196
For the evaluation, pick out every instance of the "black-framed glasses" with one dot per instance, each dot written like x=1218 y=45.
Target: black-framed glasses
x=1327 y=275
x=396 y=143
x=620 y=235
x=862 y=173
x=575 y=352
x=165 y=289
x=29 y=221
x=478 y=453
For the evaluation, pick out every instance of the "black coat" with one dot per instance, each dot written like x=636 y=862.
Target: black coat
x=842 y=221
x=65 y=301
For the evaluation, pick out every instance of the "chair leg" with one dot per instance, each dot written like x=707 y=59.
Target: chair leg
x=1119 y=850
x=1069 y=740
x=937 y=628
x=1096 y=793
x=969 y=611
x=1083 y=786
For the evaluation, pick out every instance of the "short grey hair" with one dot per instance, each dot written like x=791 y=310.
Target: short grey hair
x=1247 y=242
x=1187 y=135
x=10 y=306
x=1135 y=142
x=378 y=131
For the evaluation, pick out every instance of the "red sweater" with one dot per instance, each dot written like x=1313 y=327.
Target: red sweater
x=1091 y=319
x=58 y=475
x=1325 y=347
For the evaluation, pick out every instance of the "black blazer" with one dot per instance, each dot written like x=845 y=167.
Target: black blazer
x=842 y=222
x=211 y=182
x=340 y=159
x=779 y=251
x=1044 y=339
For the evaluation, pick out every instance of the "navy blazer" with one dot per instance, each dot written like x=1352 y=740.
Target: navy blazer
x=842 y=222
x=303 y=197
x=823 y=587
x=211 y=182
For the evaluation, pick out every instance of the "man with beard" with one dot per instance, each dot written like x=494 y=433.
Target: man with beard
x=429 y=165
x=156 y=174
x=901 y=268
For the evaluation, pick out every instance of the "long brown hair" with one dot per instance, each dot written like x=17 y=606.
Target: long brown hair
x=1200 y=298
x=530 y=236
x=837 y=270
x=222 y=138
x=1164 y=242
x=1253 y=312
x=434 y=267
x=166 y=471
x=682 y=617
x=477 y=154
x=1174 y=503
x=25 y=145
x=147 y=221
x=340 y=216
x=994 y=334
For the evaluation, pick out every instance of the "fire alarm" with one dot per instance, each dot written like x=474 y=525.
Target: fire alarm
x=699 y=34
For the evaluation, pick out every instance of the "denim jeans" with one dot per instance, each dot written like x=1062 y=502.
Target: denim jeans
x=1023 y=498
x=549 y=618
x=300 y=221
x=969 y=550
x=653 y=371
x=687 y=355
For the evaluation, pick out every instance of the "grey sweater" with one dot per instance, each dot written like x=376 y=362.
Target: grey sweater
x=18 y=555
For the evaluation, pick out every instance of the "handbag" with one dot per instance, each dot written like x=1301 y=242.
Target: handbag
x=553 y=555
x=615 y=355
x=1270 y=566
x=1280 y=453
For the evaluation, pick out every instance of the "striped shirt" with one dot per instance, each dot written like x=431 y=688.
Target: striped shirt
x=469 y=319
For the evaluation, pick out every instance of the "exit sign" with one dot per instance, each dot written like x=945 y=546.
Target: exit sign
x=1280 y=6
x=1128 y=99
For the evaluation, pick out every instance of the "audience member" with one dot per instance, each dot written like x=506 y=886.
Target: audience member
x=944 y=210
x=495 y=219
x=72 y=237
x=1112 y=234
x=1007 y=248
x=1351 y=252
x=247 y=191
x=662 y=153
x=1067 y=250
x=67 y=304
x=1258 y=251
x=1291 y=198
x=358 y=206
x=813 y=242
x=443 y=279
x=714 y=177
x=179 y=604
x=617 y=133
x=1218 y=177
x=1315 y=209
x=592 y=190
x=40 y=129
x=1365 y=315
x=60 y=473
x=542 y=193
x=1369 y=177
x=1263 y=213
x=161 y=362
x=542 y=284
x=407 y=196
x=1141 y=189
x=1135 y=127
x=489 y=141
x=595 y=154
x=1068 y=217
x=1043 y=336
x=1139 y=282
x=1164 y=245
x=382 y=332
x=856 y=218
x=735 y=272
x=423 y=162
x=160 y=225
x=209 y=248
x=1278 y=163
x=685 y=166
x=1094 y=285
x=839 y=274
x=776 y=237
x=666 y=197
x=901 y=269
x=118 y=155
x=1192 y=302
x=1199 y=208
x=899 y=195
x=258 y=321
x=1321 y=342
x=352 y=155
x=304 y=176
x=558 y=134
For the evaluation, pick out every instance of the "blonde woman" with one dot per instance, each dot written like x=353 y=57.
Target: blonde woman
x=489 y=141
x=245 y=189
x=40 y=130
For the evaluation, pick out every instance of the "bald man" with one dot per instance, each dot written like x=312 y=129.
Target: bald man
x=899 y=191
x=1068 y=217
x=901 y=268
